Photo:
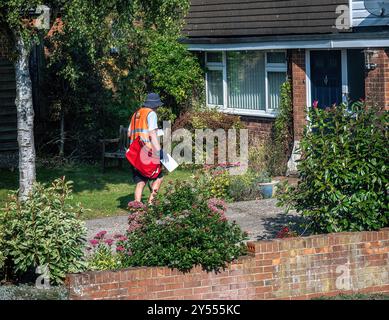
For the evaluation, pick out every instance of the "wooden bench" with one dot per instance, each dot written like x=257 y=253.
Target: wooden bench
x=115 y=148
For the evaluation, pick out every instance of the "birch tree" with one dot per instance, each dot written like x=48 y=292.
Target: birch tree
x=97 y=25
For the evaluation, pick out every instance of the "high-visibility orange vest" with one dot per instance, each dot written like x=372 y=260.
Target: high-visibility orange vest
x=139 y=126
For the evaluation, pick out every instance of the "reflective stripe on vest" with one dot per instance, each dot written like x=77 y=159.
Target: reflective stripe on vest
x=139 y=126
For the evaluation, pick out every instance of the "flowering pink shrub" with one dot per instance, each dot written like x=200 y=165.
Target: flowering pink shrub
x=218 y=207
x=100 y=235
x=135 y=206
x=109 y=242
x=120 y=248
x=183 y=228
x=105 y=253
x=134 y=221
x=94 y=242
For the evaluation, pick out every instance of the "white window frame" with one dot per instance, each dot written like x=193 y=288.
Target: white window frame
x=273 y=67
x=215 y=66
x=222 y=66
x=344 y=68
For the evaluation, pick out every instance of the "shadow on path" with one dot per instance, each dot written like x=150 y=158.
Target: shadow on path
x=273 y=225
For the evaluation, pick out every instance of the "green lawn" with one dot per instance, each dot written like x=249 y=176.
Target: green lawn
x=105 y=194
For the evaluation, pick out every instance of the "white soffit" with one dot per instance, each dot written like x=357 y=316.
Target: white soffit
x=278 y=45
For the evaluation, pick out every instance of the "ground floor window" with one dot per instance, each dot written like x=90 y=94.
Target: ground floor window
x=247 y=82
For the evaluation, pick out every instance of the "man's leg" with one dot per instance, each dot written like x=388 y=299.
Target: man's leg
x=154 y=188
x=139 y=191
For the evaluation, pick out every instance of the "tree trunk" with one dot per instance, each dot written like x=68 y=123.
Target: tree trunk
x=62 y=134
x=25 y=119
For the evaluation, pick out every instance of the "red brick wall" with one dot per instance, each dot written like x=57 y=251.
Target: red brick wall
x=295 y=268
x=377 y=80
x=299 y=96
x=259 y=128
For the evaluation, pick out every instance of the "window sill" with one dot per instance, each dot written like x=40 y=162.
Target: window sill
x=253 y=113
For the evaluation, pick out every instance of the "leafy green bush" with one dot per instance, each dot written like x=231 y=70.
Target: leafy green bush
x=343 y=170
x=2 y=246
x=279 y=147
x=213 y=181
x=243 y=189
x=257 y=156
x=44 y=230
x=174 y=71
x=165 y=114
x=181 y=230
x=102 y=255
x=208 y=119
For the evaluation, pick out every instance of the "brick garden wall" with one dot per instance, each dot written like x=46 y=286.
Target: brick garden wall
x=295 y=268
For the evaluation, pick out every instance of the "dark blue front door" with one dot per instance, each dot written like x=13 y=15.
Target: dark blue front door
x=326 y=77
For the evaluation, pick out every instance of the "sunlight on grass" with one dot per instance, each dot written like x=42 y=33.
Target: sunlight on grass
x=103 y=194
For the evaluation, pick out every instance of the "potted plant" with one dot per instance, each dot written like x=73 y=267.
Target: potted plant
x=266 y=185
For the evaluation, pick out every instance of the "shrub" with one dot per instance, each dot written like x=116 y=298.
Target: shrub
x=343 y=169
x=2 y=246
x=165 y=114
x=208 y=119
x=272 y=154
x=279 y=147
x=245 y=187
x=44 y=230
x=181 y=230
x=257 y=156
x=213 y=181
x=101 y=252
x=174 y=71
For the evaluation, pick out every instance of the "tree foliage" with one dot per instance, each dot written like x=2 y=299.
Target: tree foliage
x=102 y=58
x=173 y=70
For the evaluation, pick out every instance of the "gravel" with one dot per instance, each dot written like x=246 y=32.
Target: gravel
x=29 y=292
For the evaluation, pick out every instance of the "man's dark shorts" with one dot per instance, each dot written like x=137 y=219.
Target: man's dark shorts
x=137 y=177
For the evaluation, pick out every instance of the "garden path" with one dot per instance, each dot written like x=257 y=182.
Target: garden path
x=261 y=219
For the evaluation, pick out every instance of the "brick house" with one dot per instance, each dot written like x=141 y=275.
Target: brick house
x=333 y=51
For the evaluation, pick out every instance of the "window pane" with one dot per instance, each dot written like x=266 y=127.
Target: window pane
x=246 y=80
x=275 y=80
x=276 y=57
x=214 y=57
x=215 y=87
